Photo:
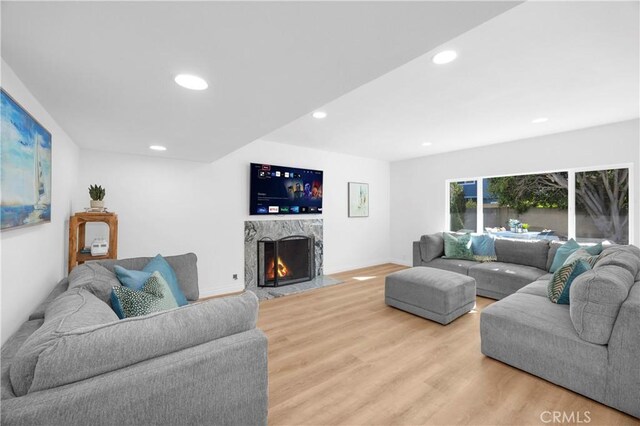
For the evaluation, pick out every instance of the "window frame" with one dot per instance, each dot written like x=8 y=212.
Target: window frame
x=571 y=211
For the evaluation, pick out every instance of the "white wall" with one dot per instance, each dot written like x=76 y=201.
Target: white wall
x=34 y=258
x=418 y=200
x=173 y=206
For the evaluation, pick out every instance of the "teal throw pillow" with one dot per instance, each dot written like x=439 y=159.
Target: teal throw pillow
x=595 y=250
x=136 y=279
x=159 y=263
x=483 y=248
x=560 y=284
x=457 y=246
x=131 y=278
x=563 y=253
x=155 y=296
x=583 y=254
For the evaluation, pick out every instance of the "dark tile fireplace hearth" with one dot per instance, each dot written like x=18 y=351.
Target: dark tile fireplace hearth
x=285 y=261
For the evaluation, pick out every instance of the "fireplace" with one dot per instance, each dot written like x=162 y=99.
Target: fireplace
x=285 y=261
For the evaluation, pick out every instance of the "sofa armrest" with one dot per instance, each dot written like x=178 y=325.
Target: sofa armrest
x=60 y=288
x=417 y=260
x=623 y=374
x=86 y=352
x=219 y=382
x=431 y=247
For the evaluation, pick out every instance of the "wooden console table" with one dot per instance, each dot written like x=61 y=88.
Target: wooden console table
x=77 y=224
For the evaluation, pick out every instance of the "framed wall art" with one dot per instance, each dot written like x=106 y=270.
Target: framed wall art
x=25 y=164
x=358 y=199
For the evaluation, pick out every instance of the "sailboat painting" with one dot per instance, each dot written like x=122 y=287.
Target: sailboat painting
x=25 y=167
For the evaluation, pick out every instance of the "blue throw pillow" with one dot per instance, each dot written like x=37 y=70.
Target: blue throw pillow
x=131 y=278
x=159 y=264
x=483 y=248
x=563 y=253
x=136 y=279
x=595 y=250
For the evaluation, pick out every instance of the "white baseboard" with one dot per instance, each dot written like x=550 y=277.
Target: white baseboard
x=359 y=266
x=233 y=288
x=401 y=262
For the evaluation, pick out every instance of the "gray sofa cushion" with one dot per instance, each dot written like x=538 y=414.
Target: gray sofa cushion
x=498 y=279
x=184 y=265
x=625 y=257
x=431 y=246
x=596 y=296
x=74 y=309
x=454 y=265
x=535 y=335
x=521 y=252
x=95 y=278
x=553 y=248
x=537 y=288
x=623 y=380
x=60 y=288
x=9 y=350
x=89 y=351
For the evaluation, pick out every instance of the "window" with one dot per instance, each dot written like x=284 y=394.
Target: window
x=463 y=204
x=602 y=205
x=586 y=204
x=538 y=201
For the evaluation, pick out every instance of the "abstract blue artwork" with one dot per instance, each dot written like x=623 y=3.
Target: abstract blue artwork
x=25 y=167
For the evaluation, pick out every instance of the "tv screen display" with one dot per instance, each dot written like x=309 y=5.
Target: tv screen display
x=285 y=190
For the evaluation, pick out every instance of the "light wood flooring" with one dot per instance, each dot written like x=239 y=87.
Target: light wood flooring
x=340 y=356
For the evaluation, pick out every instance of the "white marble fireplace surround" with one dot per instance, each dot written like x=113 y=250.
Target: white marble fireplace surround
x=256 y=230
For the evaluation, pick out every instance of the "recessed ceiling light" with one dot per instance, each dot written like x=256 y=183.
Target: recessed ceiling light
x=192 y=82
x=158 y=148
x=319 y=115
x=426 y=144
x=444 y=57
x=539 y=120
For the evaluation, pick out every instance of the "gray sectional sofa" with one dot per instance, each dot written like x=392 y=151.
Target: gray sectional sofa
x=591 y=346
x=75 y=363
x=519 y=263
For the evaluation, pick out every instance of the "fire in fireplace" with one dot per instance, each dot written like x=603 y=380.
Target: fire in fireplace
x=286 y=261
x=279 y=265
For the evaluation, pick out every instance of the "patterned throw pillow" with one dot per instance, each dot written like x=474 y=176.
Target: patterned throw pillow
x=457 y=246
x=136 y=279
x=155 y=296
x=578 y=262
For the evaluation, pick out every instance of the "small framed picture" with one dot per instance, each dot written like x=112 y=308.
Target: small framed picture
x=358 y=199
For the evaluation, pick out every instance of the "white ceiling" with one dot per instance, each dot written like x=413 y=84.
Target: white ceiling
x=104 y=70
x=573 y=62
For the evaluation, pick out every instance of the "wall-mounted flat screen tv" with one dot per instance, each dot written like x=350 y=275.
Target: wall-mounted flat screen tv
x=284 y=190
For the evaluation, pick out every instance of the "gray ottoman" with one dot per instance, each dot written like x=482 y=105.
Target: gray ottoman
x=435 y=294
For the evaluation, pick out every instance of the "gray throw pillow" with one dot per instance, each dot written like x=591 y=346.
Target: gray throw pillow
x=95 y=278
x=431 y=246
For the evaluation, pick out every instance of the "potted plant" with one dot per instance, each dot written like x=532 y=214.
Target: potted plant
x=525 y=226
x=97 y=193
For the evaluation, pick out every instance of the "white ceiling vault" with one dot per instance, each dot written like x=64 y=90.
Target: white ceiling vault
x=575 y=63
x=104 y=70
